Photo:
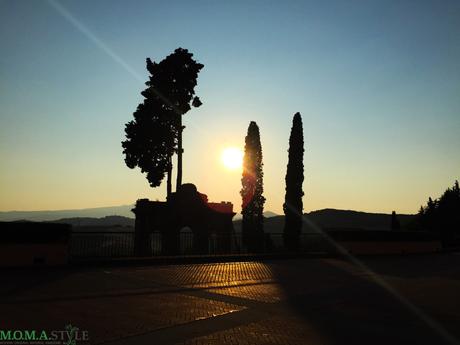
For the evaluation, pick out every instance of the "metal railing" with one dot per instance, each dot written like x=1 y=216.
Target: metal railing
x=121 y=244
x=102 y=244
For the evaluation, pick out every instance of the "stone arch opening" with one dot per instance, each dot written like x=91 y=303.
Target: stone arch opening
x=186 y=240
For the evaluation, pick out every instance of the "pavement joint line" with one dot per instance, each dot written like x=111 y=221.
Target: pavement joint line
x=174 y=334
x=146 y=291
x=236 y=300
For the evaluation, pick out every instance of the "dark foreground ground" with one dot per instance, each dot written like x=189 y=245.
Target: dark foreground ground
x=402 y=300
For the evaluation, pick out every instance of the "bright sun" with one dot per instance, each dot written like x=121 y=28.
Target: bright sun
x=232 y=157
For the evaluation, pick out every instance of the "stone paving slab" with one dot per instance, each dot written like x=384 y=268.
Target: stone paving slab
x=286 y=330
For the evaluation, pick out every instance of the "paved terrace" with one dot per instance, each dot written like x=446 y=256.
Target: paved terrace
x=295 y=301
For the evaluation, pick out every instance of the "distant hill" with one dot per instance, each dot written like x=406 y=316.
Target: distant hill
x=40 y=216
x=109 y=221
x=325 y=219
x=69 y=215
x=267 y=214
x=335 y=219
x=332 y=218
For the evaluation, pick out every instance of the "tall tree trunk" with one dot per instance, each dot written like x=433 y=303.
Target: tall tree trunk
x=180 y=150
x=168 y=182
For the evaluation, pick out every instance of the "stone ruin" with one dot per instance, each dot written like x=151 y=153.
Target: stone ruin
x=187 y=208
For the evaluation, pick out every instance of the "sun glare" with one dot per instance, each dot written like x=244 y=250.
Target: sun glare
x=232 y=157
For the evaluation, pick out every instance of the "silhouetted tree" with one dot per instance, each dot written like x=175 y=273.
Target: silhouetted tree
x=252 y=190
x=172 y=83
x=427 y=216
x=150 y=142
x=395 y=225
x=293 y=205
x=442 y=216
x=156 y=132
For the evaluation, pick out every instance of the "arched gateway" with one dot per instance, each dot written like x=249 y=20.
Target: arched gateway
x=185 y=208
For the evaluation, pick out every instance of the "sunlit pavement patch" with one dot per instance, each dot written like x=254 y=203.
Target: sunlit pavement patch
x=269 y=293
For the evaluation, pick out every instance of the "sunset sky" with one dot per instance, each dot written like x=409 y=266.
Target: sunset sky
x=377 y=84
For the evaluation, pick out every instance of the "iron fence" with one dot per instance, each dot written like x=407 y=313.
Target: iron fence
x=121 y=244
x=102 y=244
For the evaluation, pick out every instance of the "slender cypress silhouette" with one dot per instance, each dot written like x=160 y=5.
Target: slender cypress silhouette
x=252 y=190
x=156 y=132
x=293 y=205
x=395 y=224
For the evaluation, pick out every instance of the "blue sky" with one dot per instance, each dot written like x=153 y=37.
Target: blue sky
x=377 y=84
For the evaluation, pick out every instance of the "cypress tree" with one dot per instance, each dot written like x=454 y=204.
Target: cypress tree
x=252 y=190
x=395 y=225
x=293 y=205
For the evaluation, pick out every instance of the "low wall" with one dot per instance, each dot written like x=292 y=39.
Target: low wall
x=366 y=242
x=30 y=243
x=377 y=248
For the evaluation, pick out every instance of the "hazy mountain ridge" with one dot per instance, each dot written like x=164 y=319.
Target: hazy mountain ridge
x=267 y=214
x=335 y=219
x=108 y=221
x=100 y=216
x=40 y=216
x=326 y=219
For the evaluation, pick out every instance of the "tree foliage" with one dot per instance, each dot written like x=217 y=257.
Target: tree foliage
x=172 y=83
x=151 y=140
x=442 y=215
x=293 y=205
x=155 y=134
x=252 y=190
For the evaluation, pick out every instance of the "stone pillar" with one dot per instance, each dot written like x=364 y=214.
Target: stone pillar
x=142 y=228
